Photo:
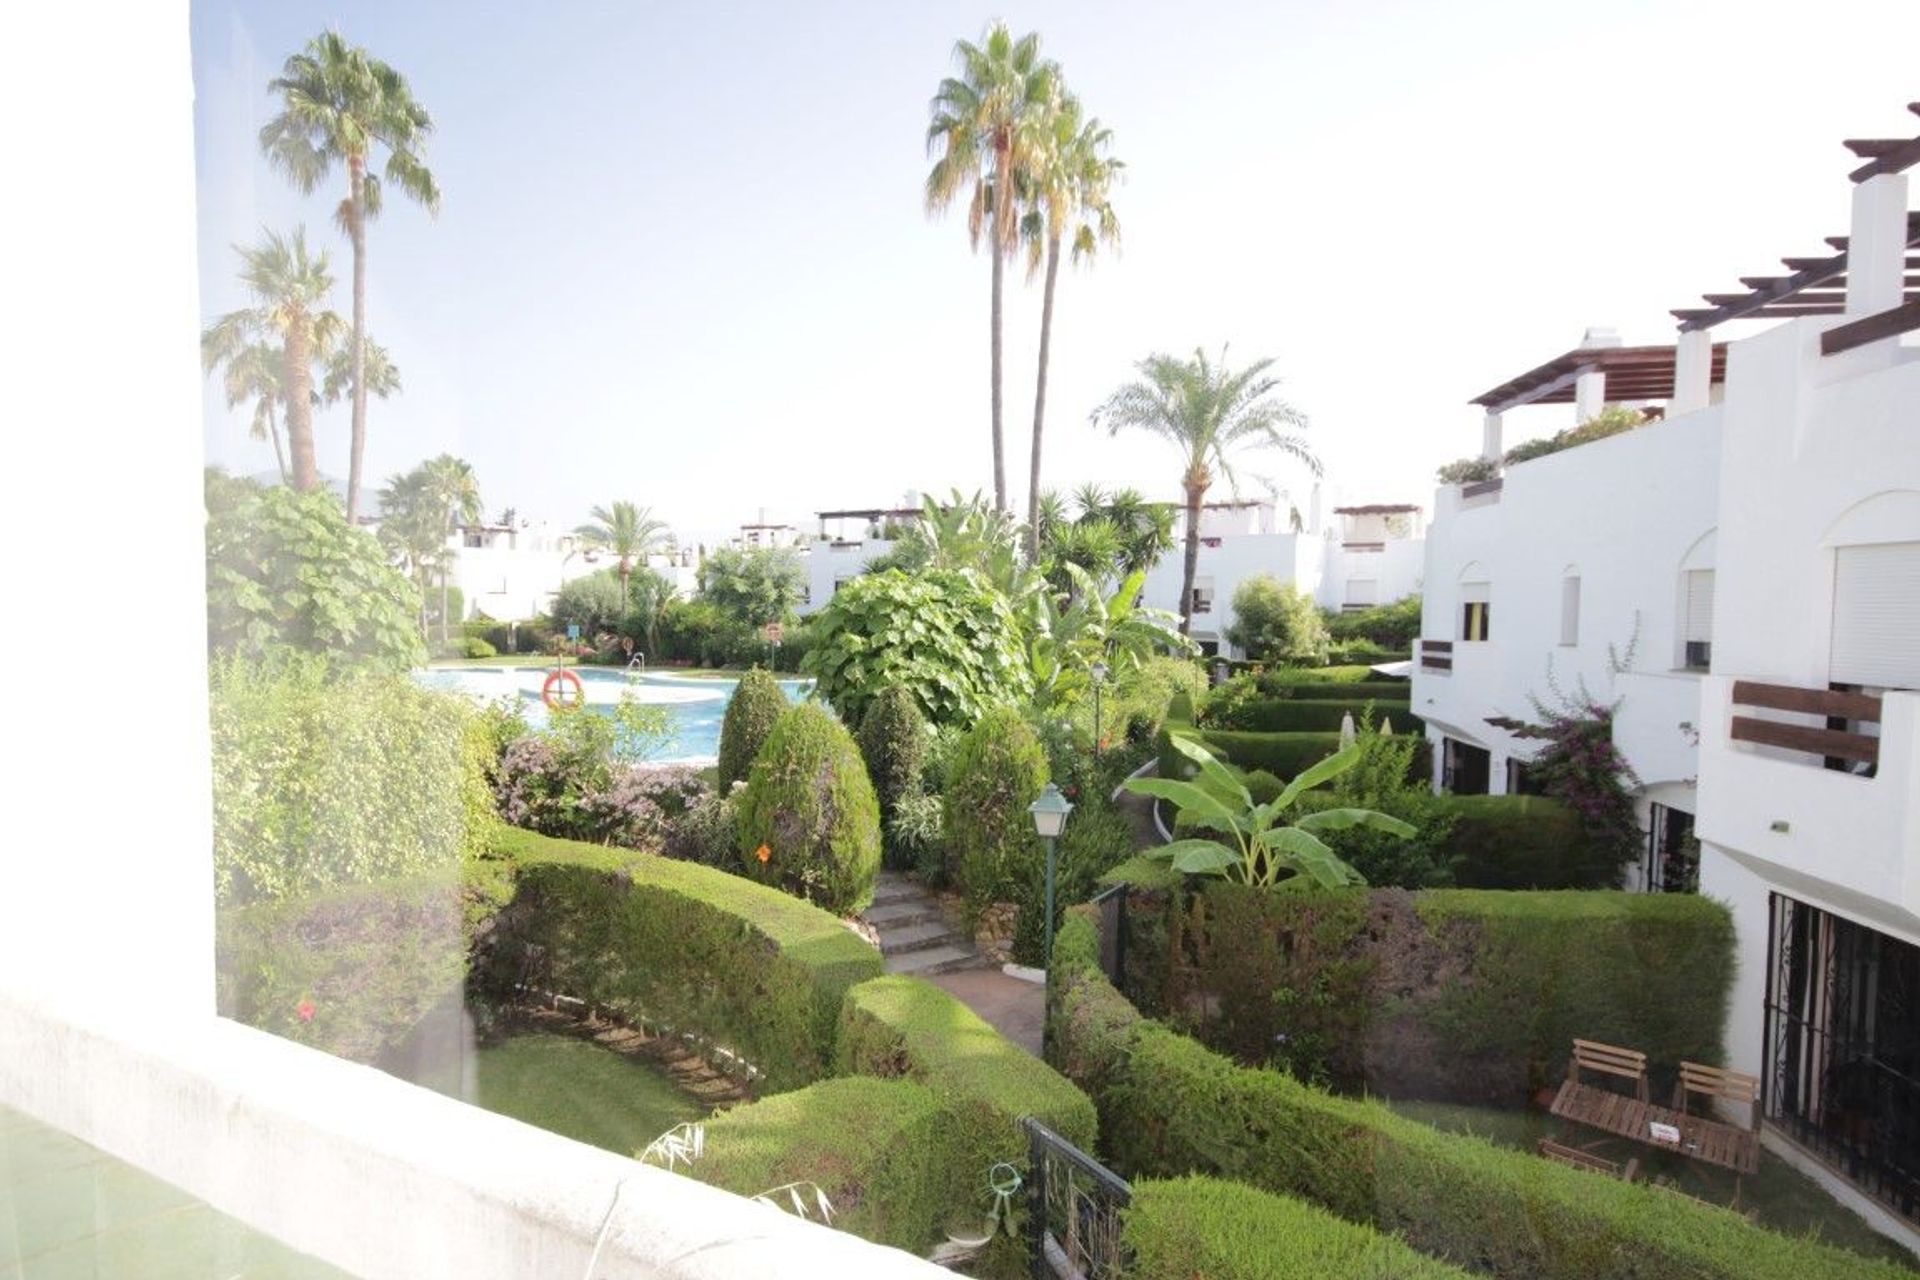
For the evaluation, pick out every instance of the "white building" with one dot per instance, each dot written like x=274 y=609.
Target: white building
x=1754 y=560
x=511 y=572
x=847 y=542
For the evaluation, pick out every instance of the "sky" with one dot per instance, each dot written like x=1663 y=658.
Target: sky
x=683 y=257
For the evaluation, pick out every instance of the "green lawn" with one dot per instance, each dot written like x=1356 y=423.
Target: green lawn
x=579 y=1089
x=1777 y=1197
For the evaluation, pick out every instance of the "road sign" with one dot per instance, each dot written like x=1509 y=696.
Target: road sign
x=774 y=632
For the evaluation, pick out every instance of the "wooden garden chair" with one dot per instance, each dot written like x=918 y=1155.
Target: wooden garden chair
x=1730 y=1146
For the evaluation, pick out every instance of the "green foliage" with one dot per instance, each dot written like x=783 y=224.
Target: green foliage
x=1285 y=755
x=475 y=647
x=1392 y=779
x=1097 y=838
x=1468 y=471
x=1274 y=679
x=1274 y=621
x=348 y=970
x=1258 y=850
x=1582 y=768
x=809 y=806
x=1169 y=1107
x=902 y=1026
x=676 y=944
x=997 y=771
x=947 y=637
x=1608 y=422
x=594 y=603
x=753 y=585
x=1525 y=842
x=1282 y=684
x=895 y=740
x=758 y=703
x=285 y=571
x=550 y=780
x=700 y=632
x=1136 y=706
x=1297 y=715
x=1198 y=1226
x=1392 y=626
x=324 y=777
x=1067 y=634
x=917 y=837
x=708 y=833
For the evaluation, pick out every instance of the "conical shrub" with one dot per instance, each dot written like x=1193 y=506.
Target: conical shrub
x=757 y=703
x=809 y=822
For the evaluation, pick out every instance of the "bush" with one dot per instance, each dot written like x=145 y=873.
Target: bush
x=350 y=971
x=1138 y=705
x=1380 y=691
x=916 y=837
x=1525 y=842
x=593 y=603
x=895 y=739
x=1285 y=755
x=1273 y=679
x=1295 y=715
x=1275 y=621
x=324 y=778
x=997 y=771
x=758 y=702
x=1195 y=1226
x=1608 y=422
x=808 y=819
x=1097 y=838
x=553 y=781
x=285 y=571
x=947 y=637
x=708 y=833
x=1363 y=652
x=753 y=585
x=474 y=647
x=643 y=805
x=1468 y=471
x=1169 y=1106
x=1391 y=626
x=672 y=944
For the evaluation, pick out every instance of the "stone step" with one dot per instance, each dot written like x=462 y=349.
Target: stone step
x=918 y=937
x=897 y=891
x=933 y=960
x=906 y=911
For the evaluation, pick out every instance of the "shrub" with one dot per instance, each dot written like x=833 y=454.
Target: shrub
x=1468 y=471
x=1274 y=678
x=1524 y=842
x=894 y=741
x=474 y=647
x=997 y=771
x=677 y=945
x=351 y=970
x=552 y=780
x=1363 y=652
x=1169 y=1106
x=593 y=603
x=1273 y=685
x=916 y=836
x=708 y=833
x=1274 y=621
x=1138 y=706
x=1392 y=626
x=643 y=805
x=808 y=819
x=1295 y=715
x=1285 y=755
x=1608 y=422
x=285 y=571
x=1195 y=1226
x=753 y=585
x=758 y=702
x=947 y=637
x=1097 y=838
x=323 y=778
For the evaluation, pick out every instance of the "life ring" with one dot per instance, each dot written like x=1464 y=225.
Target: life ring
x=550 y=694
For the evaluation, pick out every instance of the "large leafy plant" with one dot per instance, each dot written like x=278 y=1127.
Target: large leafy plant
x=1067 y=634
x=1257 y=848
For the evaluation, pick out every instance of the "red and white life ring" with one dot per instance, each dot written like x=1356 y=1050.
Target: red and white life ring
x=550 y=692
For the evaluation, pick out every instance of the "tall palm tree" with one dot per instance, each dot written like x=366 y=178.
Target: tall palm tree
x=382 y=374
x=629 y=532
x=413 y=532
x=253 y=373
x=985 y=126
x=339 y=103
x=1068 y=191
x=289 y=287
x=452 y=494
x=1209 y=412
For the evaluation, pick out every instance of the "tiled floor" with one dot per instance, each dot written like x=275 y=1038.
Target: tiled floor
x=71 y=1212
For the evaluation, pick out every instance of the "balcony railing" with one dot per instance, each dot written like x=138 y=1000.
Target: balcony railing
x=1486 y=489
x=1840 y=744
x=1437 y=656
x=1363 y=546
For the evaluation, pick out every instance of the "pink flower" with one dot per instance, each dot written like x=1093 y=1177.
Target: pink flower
x=305 y=1010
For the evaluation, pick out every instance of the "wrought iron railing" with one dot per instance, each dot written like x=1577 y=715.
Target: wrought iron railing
x=1111 y=903
x=1075 y=1207
x=1842 y=1074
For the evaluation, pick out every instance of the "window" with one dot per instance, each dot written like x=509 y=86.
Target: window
x=1876 y=616
x=1362 y=593
x=1202 y=601
x=1673 y=855
x=1696 y=620
x=1521 y=779
x=1570 y=609
x=1465 y=770
x=1473 y=610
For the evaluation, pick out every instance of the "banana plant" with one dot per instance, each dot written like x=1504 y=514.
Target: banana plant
x=1257 y=848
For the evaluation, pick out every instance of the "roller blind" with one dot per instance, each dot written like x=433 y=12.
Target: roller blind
x=1473 y=593
x=1697 y=625
x=1363 y=591
x=1876 y=615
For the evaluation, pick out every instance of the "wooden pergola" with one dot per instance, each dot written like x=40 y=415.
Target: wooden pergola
x=1631 y=373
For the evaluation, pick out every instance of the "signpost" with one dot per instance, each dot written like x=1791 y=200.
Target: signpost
x=774 y=632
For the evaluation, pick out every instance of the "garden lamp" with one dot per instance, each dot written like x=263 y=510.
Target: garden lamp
x=1100 y=670
x=1050 y=819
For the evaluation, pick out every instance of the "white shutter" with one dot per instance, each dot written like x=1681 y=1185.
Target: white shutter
x=1698 y=622
x=1363 y=591
x=1876 y=615
x=1473 y=593
x=1570 y=609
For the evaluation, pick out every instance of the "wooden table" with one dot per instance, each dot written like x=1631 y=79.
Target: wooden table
x=1624 y=1116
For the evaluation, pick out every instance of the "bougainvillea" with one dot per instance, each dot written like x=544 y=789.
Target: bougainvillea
x=1582 y=768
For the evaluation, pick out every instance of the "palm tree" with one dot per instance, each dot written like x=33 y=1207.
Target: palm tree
x=338 y=103
x=985 y=128
x=253 y=372
x=1209 y=412
x=1068 y=190
x=382 y=374
x=453 y=495
x=413 y=532
x=289 y=287
x=629 y=532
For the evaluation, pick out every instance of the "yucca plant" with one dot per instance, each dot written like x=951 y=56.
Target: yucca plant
x=1258 y=848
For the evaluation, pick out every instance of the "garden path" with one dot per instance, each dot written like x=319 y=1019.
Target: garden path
x=917 y=938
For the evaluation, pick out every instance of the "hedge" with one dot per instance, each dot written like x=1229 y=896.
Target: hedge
x=1525 y=842
x=1450 y=994
x=1194 y=1227
x=1295 y=715
x=666 y=942
x=1284 y=755
x=1346 y=691
x=808 y=820
x=350 y=971
x=1169 y=1106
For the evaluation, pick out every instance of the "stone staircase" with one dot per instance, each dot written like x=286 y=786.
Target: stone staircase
x=914 y=936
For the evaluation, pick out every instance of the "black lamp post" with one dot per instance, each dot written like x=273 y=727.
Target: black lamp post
x=1100 y=671
x=1050 y=819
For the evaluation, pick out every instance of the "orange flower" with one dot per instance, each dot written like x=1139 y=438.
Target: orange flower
x=763 y=853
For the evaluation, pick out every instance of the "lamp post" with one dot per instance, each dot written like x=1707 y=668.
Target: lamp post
x=1099 y=678
x=1050 y=819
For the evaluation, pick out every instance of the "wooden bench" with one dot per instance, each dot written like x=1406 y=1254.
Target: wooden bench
x=1634 y=1116
x=1579 y=1159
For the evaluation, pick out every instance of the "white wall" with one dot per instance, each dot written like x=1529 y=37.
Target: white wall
x=828 y=562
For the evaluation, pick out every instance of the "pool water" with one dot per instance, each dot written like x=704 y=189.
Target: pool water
x=694 y=705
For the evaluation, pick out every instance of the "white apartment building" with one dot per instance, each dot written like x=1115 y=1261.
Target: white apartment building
x=511 y=572
x=1753 y=560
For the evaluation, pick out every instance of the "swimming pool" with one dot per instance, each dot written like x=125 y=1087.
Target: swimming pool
x=695 y=705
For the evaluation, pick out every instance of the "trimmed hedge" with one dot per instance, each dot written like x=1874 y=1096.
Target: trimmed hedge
x=757 y=704
x=865 y=1143
x=1296 y=715
x=996 y=772
x=1284 y=755
x=808 y=820
x=1447 y=993
x=1342 y=691
x=1169 y=1106
x=1195 y=1227
x=666 y=942
x=1525 y=842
